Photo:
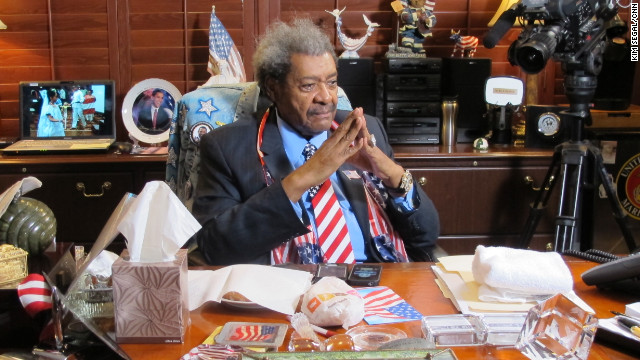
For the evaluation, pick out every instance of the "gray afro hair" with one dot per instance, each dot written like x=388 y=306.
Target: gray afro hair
x=272 y=59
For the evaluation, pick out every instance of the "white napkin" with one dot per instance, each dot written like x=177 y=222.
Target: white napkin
x=516 y=275
x=157 y=224
x=275 y=288
x=102 y=263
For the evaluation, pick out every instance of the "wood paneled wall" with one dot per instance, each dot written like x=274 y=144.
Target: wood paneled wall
x=132 y=40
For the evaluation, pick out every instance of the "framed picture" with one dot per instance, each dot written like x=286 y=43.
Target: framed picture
x=148 y=108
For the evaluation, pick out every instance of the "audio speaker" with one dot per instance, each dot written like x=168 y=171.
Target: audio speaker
x=357 y=78
x=615 y=81
x=464 y=79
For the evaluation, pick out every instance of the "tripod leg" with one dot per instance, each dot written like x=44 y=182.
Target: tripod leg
x=618 y=214
x=569 y=210
x=540 y=203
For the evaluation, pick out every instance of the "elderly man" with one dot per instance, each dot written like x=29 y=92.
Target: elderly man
x=302 y=181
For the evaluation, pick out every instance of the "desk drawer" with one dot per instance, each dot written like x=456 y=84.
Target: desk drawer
x=81 y=202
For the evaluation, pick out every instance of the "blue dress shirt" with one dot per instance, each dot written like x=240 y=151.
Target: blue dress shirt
x=293 y=145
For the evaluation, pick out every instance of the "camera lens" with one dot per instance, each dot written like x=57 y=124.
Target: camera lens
x=532 y=58
x=532 y=54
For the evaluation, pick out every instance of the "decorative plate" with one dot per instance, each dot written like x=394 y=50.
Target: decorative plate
x=139 y=99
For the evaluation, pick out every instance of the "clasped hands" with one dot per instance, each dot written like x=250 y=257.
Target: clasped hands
x=350 y=143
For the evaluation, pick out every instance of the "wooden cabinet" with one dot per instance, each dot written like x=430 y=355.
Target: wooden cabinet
x=481 y=197
x=82 y=190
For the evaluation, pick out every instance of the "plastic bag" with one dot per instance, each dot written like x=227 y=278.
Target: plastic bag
x=331 y=302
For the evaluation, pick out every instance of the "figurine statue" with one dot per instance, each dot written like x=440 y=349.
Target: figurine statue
x=350 y=45
x=465 y=44
x=416 y=18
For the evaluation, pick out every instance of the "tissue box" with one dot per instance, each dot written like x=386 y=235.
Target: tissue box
x=150 y=300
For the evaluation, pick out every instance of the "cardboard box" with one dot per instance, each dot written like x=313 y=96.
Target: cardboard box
x=150 y=300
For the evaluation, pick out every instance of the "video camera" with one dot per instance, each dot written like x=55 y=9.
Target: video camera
x=570 y=31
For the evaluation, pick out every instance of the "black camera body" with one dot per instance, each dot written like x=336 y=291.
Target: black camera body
x=569 y=31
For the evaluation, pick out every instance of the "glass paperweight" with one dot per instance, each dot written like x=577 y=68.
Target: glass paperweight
x=371 y=337
x=503 y=328
x=454 y=330
x=557 y=329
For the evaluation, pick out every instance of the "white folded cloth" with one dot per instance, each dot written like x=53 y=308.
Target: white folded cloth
x=516 y=275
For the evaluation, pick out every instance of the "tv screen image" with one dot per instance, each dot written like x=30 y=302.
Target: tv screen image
x=75 y=109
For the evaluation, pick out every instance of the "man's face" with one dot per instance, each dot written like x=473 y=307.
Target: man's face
x=157 y=99
x=307 y=98
x=417 y=3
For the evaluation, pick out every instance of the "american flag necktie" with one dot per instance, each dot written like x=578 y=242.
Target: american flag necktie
x=333 y=235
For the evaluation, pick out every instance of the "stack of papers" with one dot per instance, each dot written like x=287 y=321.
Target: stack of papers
x=455 y=279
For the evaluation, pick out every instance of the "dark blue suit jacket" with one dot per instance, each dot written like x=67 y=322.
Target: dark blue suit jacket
x=243 y=219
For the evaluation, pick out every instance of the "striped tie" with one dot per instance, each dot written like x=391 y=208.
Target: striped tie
x=333 y=235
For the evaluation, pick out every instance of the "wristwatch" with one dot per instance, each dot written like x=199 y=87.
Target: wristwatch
x=406 y=184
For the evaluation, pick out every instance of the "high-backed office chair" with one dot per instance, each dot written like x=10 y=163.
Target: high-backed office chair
x=197 y=113
x=201 y=111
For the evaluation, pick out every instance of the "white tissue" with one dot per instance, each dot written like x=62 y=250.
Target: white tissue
x=101 y=265
x=275 y=288
x=516 y=275
x=157 y=224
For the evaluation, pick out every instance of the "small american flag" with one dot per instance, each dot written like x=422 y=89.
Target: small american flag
x=34 y=294
x=253 y=333
x=429 y=4
x=351 y=174
x=224 y=59
x=383 y=306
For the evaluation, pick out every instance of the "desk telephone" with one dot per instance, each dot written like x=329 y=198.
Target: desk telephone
x=621 y=273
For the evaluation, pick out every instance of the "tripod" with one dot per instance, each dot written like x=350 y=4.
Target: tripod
x=575 y=161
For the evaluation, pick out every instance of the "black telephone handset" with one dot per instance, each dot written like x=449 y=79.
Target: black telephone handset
x=623 y=274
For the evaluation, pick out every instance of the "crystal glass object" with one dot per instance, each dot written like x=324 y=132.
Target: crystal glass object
x=503 y=328
x=340 y=342
x=300 y=343
x=454 y=330
x=557 y=329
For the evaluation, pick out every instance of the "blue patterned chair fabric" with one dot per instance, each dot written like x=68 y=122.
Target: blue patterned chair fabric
x=197 y=113
x=201 y=111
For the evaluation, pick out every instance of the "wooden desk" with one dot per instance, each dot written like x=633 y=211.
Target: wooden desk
x=415 y=283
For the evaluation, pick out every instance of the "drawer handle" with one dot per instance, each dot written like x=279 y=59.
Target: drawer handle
x=422 y=181
x=105 y=186
x=528 y=180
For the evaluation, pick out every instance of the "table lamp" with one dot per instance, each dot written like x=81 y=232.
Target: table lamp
x=2 y=25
